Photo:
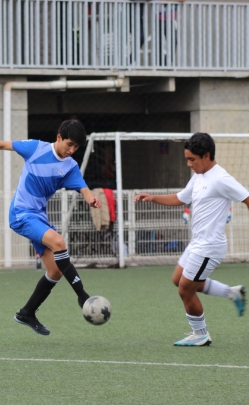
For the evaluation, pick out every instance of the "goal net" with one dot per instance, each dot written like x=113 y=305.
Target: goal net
x=147 y=233
x=117 y=166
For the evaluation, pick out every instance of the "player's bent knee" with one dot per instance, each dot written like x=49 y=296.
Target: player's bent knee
x=54 y=274
x=58 y=244
x=54 y=241
x=184 y=292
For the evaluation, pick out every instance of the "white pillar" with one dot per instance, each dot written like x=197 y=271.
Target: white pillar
x=119 y=200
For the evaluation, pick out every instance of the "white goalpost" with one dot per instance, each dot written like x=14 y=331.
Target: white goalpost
x=142 y=233
x=118 y=137
x=151 y=221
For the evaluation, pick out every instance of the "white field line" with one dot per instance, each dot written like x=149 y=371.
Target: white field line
x=134 y=363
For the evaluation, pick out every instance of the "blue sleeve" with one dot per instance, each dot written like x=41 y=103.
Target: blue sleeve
x=25 y=148
x=74 y=179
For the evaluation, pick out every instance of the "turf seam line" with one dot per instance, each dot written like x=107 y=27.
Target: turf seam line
x=125 y=362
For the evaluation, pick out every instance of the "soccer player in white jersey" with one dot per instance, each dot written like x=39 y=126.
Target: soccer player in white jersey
x=210 y=190
x=47 y=168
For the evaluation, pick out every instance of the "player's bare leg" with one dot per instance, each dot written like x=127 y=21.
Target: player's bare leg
x=52 y=269
x=237 y=294
x=176 y=277
x=53 y=240
x=188 y=292
x=194 y=312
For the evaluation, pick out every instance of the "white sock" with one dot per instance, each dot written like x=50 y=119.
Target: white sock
x=213 y=287
x=197 y=323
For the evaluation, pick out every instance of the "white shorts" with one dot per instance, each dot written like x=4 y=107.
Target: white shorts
x=197 y=268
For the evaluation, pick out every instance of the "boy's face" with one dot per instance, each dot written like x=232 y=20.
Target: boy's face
x=196 y=163
x=65 y=147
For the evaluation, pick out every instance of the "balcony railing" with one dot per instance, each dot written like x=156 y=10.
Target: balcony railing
x=77 y=34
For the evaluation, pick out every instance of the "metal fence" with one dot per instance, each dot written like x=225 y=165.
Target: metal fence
x=124 y=35
x=151 y=233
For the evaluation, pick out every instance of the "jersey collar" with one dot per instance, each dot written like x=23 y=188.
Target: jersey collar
x=55 y=154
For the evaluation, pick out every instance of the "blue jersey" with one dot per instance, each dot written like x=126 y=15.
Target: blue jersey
x=43 y=174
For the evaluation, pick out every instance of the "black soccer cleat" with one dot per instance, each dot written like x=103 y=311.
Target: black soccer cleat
x=32 y=322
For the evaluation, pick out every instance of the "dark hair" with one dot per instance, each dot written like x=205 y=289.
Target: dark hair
x=201 y=143
x=74 y=130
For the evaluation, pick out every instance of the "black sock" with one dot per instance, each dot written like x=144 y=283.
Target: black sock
x=41 y=292
x=70 y=273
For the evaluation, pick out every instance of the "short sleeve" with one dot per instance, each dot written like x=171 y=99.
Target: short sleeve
x=228 y=187
x=74 y=179
x=185 y=195
x=25 y=148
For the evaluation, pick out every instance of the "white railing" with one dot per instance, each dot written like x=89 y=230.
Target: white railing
x=124 y=35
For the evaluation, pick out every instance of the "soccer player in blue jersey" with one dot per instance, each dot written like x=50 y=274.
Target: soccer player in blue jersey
x=47 y=168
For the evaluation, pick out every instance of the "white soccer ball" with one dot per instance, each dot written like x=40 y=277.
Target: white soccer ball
x=97 y=310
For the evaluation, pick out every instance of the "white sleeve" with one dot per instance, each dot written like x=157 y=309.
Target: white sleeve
x=231 y=189
x=185 y=195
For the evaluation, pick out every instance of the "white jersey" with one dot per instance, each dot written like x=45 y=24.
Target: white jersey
x=211 y=194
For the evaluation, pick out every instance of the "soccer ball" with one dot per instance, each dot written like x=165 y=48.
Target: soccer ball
x=97 y=310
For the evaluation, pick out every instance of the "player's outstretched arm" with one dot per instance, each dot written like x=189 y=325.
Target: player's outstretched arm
x=6 y=145
x=169 y=199
x=90 y=198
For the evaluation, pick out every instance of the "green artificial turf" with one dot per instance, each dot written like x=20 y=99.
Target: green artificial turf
x=130 y=360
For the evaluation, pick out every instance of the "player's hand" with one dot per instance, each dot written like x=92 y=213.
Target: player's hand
x=143 y=197
x=94 y=203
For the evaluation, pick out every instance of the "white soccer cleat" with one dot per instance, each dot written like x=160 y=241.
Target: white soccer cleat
x=195 y=340
x=238 y=296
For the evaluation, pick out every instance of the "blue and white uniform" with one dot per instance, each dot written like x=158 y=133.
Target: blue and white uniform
x=43 y=174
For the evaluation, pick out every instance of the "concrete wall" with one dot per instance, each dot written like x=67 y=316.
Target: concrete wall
x=19 y=127
x=233 y=155
x=221 y=106
x=214 y=105
x=19 y=130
